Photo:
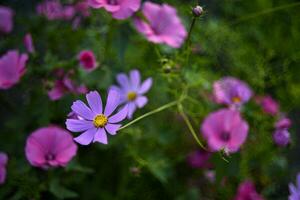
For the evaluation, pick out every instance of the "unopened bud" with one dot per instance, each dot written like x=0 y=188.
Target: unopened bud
x=281 y=137
x=197 y=11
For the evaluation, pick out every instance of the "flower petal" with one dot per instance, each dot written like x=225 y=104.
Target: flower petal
x=135 y=79
x=112 y=102
x=141 y=101
x=78 y=125
x=86 y=137
x=146 y=85
x=123 y=81
x=131 y=110
x=112 y=128
x=100 y=136
x=121 y=115
x=81 y=109
x=95 y=102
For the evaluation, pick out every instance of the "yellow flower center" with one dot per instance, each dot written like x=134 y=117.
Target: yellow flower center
x=100 y=121
x=236 y=99
x=131 y=96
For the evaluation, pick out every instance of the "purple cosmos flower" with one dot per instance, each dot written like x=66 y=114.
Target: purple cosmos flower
x=87 y=60
x=3 y=163
x=132 y=90
x=295 y=189
x=120 y=9
x=64 y=85
x=247 y=191
x=162 y=25
x=6 y=19
x=50 y=146
x=225 y=130
x=28 y=43
x=96 y=121
x=231 y=91
x=199 y=159
x=268 y=104
x=12 y=68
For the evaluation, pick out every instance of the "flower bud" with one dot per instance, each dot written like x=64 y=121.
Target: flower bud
x=281 y=137
x=197 y=11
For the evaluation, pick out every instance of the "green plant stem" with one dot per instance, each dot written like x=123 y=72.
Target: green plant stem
x=168 y=105
x=189 y=124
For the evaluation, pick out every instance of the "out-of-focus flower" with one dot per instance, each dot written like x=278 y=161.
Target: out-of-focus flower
x=231 y=91
x=82 y=8
x=132 y=90
x=6 y=19
x=12 y=68
x=162 y=25
x=210 y=175
x=197 y=11
x=52 y=9
x=120 y=9
x=199 y=159
x=225 y=130
x=96 y=121
x=295 y=189
x=87 y=60
x=268 y=104
x=50 y=146
x=281 y=136
x=247 y=191
x=68 y=12
x=28 y=43
x=283 y=123
x=64 y=85
x=3 y=163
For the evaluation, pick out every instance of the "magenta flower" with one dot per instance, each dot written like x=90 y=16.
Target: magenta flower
x=120 y=9
x=82 y=8
x=199 y=159
x=247 y=191
x=268 y=104
x=52 y=9
x=225 y=130
x=283 y=123
x=28 y=43
x=3 y=163
x=6 y=19
x=50 y=146
x=162 y=25
x=231 y=91
x=87 y=60
x=96 y=121
x=295 y=189
x=64 y=85
x=132 y=90
x=12 y=68
x=281 y=136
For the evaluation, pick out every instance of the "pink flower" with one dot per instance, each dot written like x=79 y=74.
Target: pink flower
x=225 y=130
x=87 y=60
x=50 y=146
x=120 y=9
x=52 y=9
x=6 y=19
x=83 y=8
x=162 y=25
x=199 y=159
x=283 y=123
x=12 y=68
x=3 y=163
x=64 y=85
x=268 y=104
x=247 y=191
x=281 y=136
x=28 y=43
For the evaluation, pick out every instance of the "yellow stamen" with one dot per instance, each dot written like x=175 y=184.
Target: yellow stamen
x=236 y=99
x=100 y=121
x=131 y=96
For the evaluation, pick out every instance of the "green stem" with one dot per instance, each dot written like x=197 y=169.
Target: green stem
x=168 y=105
x=188 y=123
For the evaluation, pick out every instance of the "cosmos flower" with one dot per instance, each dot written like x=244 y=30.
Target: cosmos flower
x=12 y=68
x=87 y=60
x=281 y=136
x=283 y=123
x=199 y=159
x=231 y=91
x=50 y=146
x=247 y=191
x=225 y=130
x=295 y=189
x=3 y=163
x=6 y=19
x=64 y=85
x=120 y=9
x=162 y=25
x=28 y=43
x=268 y=104
x=132 y=90
x=96 y=121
